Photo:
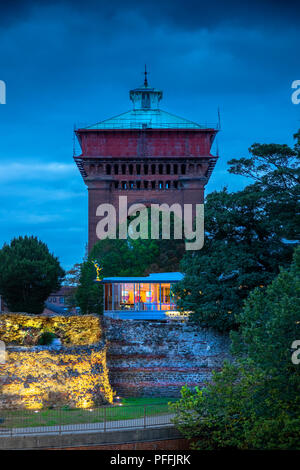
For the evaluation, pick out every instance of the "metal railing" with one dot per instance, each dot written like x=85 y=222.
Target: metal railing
x=129 y=124
x=77 y=420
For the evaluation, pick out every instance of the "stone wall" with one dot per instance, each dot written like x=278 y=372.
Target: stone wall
x=25 y=329
x=167 y=444
x=157 y=358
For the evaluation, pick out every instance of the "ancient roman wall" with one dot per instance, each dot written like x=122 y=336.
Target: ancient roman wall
x=73 y=373
x=157 y=358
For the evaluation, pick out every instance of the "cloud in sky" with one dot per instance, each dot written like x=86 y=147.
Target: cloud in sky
x=66 y=62
x=15 y=171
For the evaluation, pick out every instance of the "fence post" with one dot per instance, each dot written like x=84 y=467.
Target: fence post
x=105 y=419
x=59 y=420
x=144 y=416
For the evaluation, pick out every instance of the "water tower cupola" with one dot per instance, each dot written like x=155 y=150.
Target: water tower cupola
x=145 y=97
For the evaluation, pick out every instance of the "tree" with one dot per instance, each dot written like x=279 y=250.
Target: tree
x=28 y=274
x=275 y=170
x=271 y=166
x=246 y=237
x=254 y=402
x=242 y=250
x=89 y=294
x=72 y=276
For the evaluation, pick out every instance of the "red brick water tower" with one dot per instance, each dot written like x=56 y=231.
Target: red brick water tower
x=146 y=154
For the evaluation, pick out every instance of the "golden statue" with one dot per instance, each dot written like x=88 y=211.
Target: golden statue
x=98 y=269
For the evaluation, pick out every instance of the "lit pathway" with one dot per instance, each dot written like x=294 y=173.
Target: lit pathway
x=150 y=421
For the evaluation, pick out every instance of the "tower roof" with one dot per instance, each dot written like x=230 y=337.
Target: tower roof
x=150 y=118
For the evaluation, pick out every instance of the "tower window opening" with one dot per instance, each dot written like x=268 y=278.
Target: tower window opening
x=160 y=169
x=176 y=184
x=146 y=169
x=152 y=184
x=138 y=169
x=160 y=185
x=175 y=169
x=116 y=184
x=116 y=169
x=131 y=169
x=124 y=185
x=153 y=169
x=138 y=185
x=131 y=185
x=146 y=184
x=108 y=169
x=183 y=169
x=168 y=169
x=168 y=184
x=123 y=169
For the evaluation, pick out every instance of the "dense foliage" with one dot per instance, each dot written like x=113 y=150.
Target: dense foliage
x=249 y=235
x=253 y=403
x=28 y=274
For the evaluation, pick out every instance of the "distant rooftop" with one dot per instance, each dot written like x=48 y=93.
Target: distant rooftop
x=155 y=277
x=147 y=115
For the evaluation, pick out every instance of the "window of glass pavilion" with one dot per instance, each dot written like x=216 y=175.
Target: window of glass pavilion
x=148 y=296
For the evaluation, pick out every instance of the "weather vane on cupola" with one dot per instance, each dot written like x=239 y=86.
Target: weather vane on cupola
x=146 y=79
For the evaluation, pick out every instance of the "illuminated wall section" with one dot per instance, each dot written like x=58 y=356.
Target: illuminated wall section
x=35 y=377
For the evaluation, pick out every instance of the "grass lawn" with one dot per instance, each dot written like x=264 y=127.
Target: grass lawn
x=131 y=408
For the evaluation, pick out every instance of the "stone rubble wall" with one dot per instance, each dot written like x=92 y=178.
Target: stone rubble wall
x=147 y=358
x=71 y=371
x=38 y=377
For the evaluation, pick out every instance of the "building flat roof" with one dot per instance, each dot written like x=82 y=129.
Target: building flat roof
x=154 y=277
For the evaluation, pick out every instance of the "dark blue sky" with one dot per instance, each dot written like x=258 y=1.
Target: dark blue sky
x=74 y=62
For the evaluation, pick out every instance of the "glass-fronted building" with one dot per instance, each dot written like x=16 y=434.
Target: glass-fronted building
x=145 y=298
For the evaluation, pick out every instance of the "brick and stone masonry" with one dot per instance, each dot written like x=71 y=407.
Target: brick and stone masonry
x=146 y=154
x=147 y=358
